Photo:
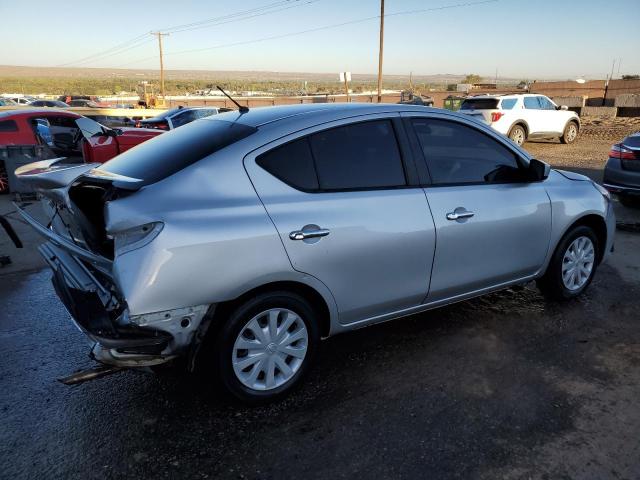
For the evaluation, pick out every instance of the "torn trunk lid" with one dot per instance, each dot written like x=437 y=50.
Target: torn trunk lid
x=74 y=200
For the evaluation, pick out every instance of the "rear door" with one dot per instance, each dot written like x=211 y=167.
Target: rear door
x=493 y=226
x=341 y=198
x=534 y=115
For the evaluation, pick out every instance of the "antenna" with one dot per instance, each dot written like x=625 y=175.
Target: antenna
x=241 y=108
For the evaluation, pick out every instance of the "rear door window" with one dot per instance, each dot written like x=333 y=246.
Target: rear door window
x=358 y=156
x=293 y=164
x=460 y=154
x=532 y=103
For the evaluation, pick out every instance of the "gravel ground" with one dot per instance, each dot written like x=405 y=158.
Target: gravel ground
x=505 y=386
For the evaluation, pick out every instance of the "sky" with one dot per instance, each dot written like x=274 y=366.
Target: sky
x=518 y=38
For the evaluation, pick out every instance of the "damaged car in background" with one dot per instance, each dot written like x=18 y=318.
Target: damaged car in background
x=240 y=240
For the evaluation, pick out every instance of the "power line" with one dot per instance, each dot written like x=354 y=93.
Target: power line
x=324 y=27
x=226 y=17
x=103 y=52
x=229 y=18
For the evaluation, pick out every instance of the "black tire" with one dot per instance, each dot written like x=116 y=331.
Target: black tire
x=518 y=134
x=234 y=326
x=631 y=201
x=570 y=133
x=551 y=284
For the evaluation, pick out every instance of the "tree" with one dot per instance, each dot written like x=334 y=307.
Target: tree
x=472 y=78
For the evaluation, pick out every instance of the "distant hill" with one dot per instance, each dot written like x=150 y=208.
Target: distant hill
x=254 y=76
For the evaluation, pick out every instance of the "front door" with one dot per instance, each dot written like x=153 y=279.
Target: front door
x=492 y=225
x=339 y=198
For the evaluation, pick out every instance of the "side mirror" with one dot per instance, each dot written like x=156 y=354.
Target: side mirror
x=562 y=107
x=538 y=170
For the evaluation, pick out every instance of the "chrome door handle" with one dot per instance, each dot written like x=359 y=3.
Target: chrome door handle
x=459 y=215
x=303 y=235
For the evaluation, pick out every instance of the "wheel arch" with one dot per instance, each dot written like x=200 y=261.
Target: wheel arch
x=599 y=226
x=523 y=124
x=312 y=295
x=574 y=120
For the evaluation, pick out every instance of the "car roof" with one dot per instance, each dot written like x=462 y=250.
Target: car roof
x=257 y=117
x=37 y=111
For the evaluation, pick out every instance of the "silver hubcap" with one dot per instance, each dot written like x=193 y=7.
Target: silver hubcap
x=270 y=349
x=572 y=132
x=517 y=136
x=577 y=263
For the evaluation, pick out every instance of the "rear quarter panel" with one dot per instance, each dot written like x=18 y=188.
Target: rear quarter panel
x=217 y=243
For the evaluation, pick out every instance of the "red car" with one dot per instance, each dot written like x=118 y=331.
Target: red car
x=69 y=134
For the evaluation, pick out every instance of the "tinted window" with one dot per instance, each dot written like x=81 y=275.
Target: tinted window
x=8 y=126
x=546 y=104
x=61 y=121
x=508 y=103
x=457 y=153
x=292 y=163
x=479 y=104
x=531 y=103
x=360 y=155
x=170 y=152
x=183 y=118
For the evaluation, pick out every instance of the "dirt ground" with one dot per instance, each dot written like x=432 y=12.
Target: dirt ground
x=590 y=151
x=507 y=386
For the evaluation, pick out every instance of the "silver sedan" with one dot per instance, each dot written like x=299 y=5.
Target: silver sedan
x=238 y=241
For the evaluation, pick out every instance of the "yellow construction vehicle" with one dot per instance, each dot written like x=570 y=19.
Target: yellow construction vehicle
x=148 y=98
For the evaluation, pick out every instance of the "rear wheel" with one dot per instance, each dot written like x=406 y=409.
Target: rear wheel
x=572 y=266
x=266 y=346
x=570 y=133
x=517 y=134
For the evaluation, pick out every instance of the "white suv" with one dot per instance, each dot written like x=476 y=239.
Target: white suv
x=524 y=116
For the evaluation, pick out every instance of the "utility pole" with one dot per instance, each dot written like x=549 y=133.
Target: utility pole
x=380 y=52
x=160 y=35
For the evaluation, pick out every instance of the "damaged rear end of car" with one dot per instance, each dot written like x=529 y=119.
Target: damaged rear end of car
x=100 y=246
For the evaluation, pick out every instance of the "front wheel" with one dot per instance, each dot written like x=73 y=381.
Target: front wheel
x=266 y=346
x=570 y=133
x=572 y=266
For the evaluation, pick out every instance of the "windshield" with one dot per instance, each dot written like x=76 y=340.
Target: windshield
x=170 y=152
x=479 y=104
x=89 y=128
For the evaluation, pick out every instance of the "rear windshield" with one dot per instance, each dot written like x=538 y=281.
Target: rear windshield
x=479 y=104
x=632 y=141
x=170 y=152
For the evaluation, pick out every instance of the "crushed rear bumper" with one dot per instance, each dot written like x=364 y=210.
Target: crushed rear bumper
x=85 y=285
